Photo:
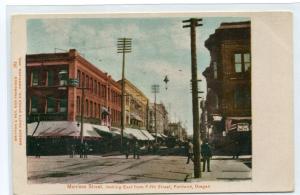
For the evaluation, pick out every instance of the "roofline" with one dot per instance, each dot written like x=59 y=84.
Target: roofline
x=73 y=54
x=133 y=86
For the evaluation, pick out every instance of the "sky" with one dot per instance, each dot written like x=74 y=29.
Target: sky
x=160 y=47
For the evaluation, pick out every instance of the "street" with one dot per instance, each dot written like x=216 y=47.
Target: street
x=150 y=168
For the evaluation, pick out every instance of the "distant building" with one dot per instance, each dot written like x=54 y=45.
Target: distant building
x=228 y=79
x=161 y=118
x=177 y=130
x=136 y=106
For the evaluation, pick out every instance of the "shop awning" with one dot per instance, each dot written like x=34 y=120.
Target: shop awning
x=117 y=131
x=148 y=135
x=135 y=116
x=163 y=135
x=159 y=135
x=60 y=129
x=103 y=130
x=136 y=133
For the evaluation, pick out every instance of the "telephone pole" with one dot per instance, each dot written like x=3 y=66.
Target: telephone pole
x=192 y=23
x=124 y=46
x=155 y=90
x=82 y=111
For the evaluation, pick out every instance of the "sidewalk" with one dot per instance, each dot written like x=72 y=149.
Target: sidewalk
x=244 y=157
x=230 y=170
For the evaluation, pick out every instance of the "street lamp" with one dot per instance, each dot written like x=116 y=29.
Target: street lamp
x=155 y=90
x=166 y=80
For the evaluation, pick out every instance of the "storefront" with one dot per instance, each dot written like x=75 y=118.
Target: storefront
x=58 y=137
x=238 y=131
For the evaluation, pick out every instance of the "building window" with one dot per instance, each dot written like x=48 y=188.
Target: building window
x=63 y=77
x=99 y=111
x=215 y=101
x=95 y=110
x=78 y=104
x=50 y=104
x=50 y=78
x=95 y=87
x=242 y=62
x=83 y=80
x=34 y=104
x=87 y=107
x=35 y=78
x=63 y=105
x=99 y=87
x=247 y=62
x=215 y=68
x=109 y=95
x=91 y=108
x=78 y=77
x=103 y=91
x=87 y=81
x=242 y=98
x=91 y=87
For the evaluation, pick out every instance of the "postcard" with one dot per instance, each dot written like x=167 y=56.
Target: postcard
x=152 y=103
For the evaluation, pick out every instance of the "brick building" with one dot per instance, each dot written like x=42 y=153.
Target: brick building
x=52 y=93
x=54 y=83
x=228 y=79
x=136 y=106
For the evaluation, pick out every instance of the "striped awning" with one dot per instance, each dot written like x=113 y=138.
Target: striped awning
x=136 y=133
x=60 y=129
x=148 y=135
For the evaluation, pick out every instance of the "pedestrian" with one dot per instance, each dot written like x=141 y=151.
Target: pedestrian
x=86 y=149
x=186 y=148
x=190 y=152
x=37 y=149
x=72 y=150
x=206 y=154
x=81 y=148
x=127 y=149
x=136 y=150
x=148 y=147
x=236 y=150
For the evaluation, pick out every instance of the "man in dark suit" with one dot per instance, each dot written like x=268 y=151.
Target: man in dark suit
x=206 y=155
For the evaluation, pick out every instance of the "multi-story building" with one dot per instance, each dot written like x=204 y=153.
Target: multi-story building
x=58 y=87
x=136 y=106
x=162 y=120
x=55 y=85
x=228 y=79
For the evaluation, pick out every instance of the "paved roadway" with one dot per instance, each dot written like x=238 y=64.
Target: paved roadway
x=97 y=169
x=152 y=168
